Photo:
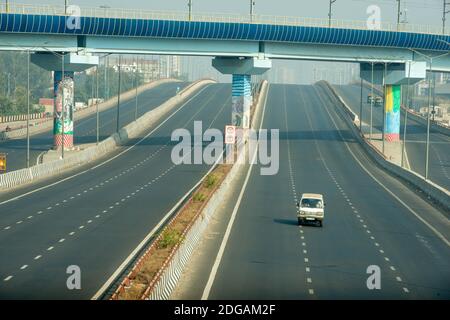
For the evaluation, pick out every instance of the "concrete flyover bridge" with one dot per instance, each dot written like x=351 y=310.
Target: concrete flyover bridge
x=242 y=45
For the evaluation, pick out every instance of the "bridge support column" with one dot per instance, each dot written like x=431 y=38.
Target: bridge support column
x=63 y=95
x=63 y=86
x=241 y=70
x=393 y=76
x=241 y=100
x=392 y=109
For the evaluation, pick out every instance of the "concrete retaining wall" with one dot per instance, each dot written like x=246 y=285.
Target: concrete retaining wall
x=83 y=113
x=432 y=190
x=132 y=130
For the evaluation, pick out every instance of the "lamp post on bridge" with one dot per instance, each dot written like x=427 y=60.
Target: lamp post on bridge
x=190 y=9
x=252 y=9
x=330 y=12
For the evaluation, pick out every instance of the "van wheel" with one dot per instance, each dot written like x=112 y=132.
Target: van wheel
x=320 y=223
x=300 y=222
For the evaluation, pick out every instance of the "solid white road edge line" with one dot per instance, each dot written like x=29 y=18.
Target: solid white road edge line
x=435 y=231
x=219 y=256
x=110 y=159
x=152 y=232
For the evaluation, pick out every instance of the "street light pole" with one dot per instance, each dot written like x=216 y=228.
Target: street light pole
x=330 y=13
x=444 y=14
x=430 y=58
x=398 y=13
x=252 y=9
x=406 y=115
x=428 y=121
x=28 y=108
x=371 y=106
x=98 y=120
x=190 y=9
x=118 y=95
x=361 y=107
x=136 y=94
x=384 y=105
x=62 y=105
x=65 y=6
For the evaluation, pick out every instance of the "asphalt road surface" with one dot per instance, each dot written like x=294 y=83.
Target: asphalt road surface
x=371 y=219
x=96 y=219
x=85 y=129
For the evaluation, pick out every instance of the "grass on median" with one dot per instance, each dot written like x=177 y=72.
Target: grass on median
x=172 y=235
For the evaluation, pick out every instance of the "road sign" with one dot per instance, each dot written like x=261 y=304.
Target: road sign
x=230 y=134
x=3 y=162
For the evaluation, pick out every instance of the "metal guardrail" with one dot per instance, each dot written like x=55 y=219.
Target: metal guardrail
x=121 y=13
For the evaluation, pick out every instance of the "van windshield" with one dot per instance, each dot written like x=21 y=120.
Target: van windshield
x=312 y=203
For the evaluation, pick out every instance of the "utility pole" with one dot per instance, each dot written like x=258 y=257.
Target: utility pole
x=62 y=105
x=361 y=107
x=136 y=94
x=65 y=6
x=384 y=106
x=252 y=9
x=444 y=14
x=96 y=107
x=7 y=6
x=118 y=95
x=398 y=13
x=330 y=13
x=190 y=9
x=28 y=108
x=406 y=114
x=371 y=106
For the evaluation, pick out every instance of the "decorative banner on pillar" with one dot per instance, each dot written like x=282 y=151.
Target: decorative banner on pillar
x=63 y=89
x=393 y=102
x=241 y=101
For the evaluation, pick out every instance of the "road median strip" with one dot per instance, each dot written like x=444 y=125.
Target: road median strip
x=156 y=271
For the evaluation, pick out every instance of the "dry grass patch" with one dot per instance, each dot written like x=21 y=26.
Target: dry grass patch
x=172 y=235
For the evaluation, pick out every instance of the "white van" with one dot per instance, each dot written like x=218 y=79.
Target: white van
x=310 y=208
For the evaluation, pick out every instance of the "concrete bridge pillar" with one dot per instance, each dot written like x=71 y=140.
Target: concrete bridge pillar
x=63 y=95
x=241 y=70
x=63 y=90
x=393 y=76
x=393 y=97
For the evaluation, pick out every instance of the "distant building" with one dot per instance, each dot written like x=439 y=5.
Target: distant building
x=48 y=104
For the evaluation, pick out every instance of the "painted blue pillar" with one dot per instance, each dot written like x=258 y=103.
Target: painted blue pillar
x=241 y=100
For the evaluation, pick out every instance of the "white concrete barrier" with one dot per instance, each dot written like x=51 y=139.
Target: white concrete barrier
x=83 y=113
x=437 y=193
x=171 y=274
x=132 y=130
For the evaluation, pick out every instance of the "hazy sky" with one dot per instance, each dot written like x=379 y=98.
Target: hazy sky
x=418 y=11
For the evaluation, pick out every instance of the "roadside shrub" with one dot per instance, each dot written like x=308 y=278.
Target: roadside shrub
x=169 y=238
x=211 y=180
x=199 y=197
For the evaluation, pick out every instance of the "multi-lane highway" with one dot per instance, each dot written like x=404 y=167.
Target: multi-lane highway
x=95 y=219
x=85 y=129
x=371 y=219
x=439 y=161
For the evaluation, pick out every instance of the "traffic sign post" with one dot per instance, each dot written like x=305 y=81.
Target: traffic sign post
x=2 y=162
x=230 y=134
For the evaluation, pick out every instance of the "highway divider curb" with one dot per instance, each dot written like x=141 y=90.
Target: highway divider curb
x=83 y=113
x=433 y=191
x=132 y=130
x=166 y=279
